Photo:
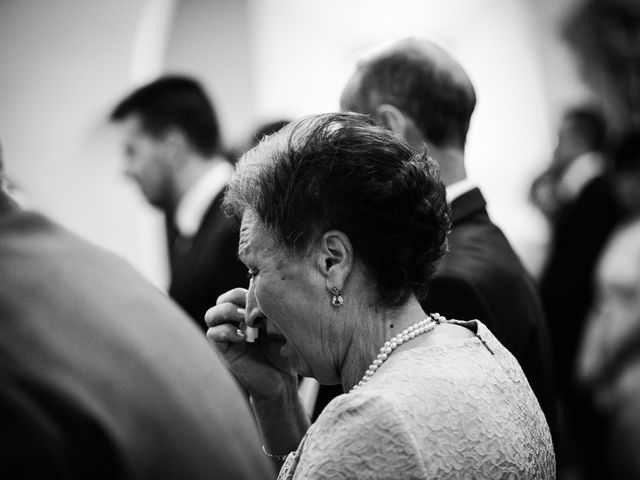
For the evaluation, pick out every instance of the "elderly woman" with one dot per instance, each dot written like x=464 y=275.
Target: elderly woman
x=341 y=226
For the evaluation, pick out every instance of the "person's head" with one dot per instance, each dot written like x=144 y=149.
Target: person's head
x=333 y=201
x=166 y=123
x=417 y=89
x=583 y=129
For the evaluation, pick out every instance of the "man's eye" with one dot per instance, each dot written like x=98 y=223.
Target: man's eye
x=252 y=274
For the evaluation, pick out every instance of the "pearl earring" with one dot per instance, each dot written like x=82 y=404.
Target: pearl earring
x=337 y=299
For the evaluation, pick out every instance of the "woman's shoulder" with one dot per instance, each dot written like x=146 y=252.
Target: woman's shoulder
x=442 y=432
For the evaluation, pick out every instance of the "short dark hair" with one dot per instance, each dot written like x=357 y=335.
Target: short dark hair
x=590 y=124
x=340 y=171
x=406 y=76
x=174 y=101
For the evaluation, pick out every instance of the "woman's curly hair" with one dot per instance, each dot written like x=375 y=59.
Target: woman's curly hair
x=340 y=171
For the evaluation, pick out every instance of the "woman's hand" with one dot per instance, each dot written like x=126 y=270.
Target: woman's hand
x=262 y=371
x=258 y=365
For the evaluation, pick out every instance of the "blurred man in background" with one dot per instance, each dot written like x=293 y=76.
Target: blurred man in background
x=416 y=89
x=578 y=158
x=173 y=151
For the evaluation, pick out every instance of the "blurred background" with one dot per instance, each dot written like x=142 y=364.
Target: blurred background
x=65 y=63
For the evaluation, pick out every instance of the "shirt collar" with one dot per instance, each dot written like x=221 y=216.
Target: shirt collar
x=195 y=202
x=459 y=188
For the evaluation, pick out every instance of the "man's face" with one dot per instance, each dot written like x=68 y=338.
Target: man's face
x=147 y=162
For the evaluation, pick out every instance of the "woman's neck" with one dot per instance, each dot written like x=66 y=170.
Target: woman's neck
x=370 y=331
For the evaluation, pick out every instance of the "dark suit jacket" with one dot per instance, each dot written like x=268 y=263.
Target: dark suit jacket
x=208 y=265
x=579 y=234
x=482 y=277
x=101 y=375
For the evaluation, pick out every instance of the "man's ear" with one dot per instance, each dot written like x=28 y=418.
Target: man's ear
x=335 y=259
x=391 y=118
x=175 y=146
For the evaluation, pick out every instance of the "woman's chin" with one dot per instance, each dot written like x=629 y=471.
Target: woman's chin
x=295 y=359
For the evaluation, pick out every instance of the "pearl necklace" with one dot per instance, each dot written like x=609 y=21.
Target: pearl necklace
x=404 y=336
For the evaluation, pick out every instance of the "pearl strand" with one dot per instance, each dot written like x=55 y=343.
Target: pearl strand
x=404 y=336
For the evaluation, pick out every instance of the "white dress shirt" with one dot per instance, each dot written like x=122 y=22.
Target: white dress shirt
x=196 y=201
x=459 y=188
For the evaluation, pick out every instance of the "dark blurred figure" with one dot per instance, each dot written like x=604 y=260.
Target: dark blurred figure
x=101 y=375
x=173 y=150
x=567 y=282
x=608 y=366
x=578 y=157
x=609 y=362
x=578 y=232
x=417 y=90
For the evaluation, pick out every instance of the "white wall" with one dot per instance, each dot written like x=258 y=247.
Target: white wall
x=305 y=50
x=64 y=64
x=210 y=39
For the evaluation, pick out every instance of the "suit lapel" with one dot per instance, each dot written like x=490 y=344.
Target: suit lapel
x=467 y=205
x=214 y=210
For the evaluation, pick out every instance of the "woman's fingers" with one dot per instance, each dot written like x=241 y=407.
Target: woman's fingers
x=236 y=295
x=225 y=312
x=222 y=336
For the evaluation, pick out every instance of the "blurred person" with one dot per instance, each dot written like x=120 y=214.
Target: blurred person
x=608 y=362
x=342 y=224
x=614 y=315
x=416 y=89
x=567 y=281
x=580 y=231
x=101 y=375
x=579 y=157
x=173 y=151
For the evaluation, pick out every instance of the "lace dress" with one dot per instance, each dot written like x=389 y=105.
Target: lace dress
x=463 y=409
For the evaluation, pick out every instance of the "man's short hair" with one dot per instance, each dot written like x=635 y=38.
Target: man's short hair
x=588 y=122
x=174 y=101
x=438 y=96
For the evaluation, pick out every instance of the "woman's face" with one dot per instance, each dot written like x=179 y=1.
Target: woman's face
x=289 y=292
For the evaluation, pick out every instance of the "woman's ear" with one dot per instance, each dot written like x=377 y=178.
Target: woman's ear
x=391 y=118
x=335 y=259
